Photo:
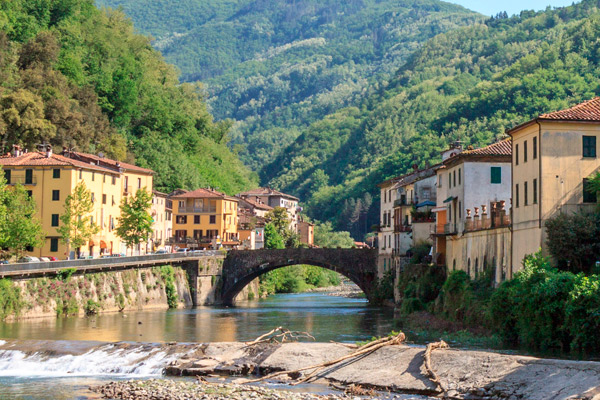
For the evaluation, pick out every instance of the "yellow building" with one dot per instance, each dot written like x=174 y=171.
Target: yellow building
x=205 y=218
x=161 y=211
x=50 y=178
x=553 y=155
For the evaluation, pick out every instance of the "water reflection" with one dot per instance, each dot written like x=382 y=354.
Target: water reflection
x=325 y=317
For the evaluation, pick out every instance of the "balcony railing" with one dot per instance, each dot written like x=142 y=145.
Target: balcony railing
x=450 y=229
x=22 y=180
x=402 y=228
x=402 y=202
x=198 y=210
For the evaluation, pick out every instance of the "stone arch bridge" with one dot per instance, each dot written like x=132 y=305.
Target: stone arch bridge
x=243 y=266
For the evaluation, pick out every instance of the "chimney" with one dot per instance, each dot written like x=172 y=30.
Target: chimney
x=48 y=151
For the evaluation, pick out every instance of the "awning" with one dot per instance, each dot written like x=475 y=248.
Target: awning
x=91 y=244
x=103 y=244
x=449 y=199
x=439 y=209
x=426 y=203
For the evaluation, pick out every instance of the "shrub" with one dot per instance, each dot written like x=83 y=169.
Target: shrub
x=11 y=302
x=168 y=275
x=65 y=274
x=91 y=307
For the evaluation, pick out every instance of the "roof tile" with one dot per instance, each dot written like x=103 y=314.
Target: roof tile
x=586 y=111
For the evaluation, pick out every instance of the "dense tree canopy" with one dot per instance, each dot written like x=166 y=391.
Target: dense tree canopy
x=76 y=76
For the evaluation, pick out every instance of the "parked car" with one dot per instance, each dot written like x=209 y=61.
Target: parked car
x=45 y=259
x=3 y=262
x=29 y=259
x=183 y=250
x=161 y=251
x=53 y=258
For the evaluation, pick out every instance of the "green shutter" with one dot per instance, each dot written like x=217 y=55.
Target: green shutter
x=496 y=174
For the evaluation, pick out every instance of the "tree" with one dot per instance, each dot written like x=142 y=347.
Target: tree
x=273 y=239
x=594 y=187
x=326 y=237
x=21 y=229
x=278 y=218
x=135 y=222
x=76 y=227
x=3 y=216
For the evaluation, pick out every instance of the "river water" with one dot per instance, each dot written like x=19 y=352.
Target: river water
x=48 y=375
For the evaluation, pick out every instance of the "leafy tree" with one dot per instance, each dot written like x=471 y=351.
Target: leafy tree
x=279 y=219
x=135 y=222
x=574 y=241
x=273 y=239
x=326 y=237
x=76 y=228
x=21 y=228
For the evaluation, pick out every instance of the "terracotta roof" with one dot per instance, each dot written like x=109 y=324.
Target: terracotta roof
x=415 y=176
x=255 y=204
x=502 y=148
x=586 y=111
x=110 y=163
x=36 y=158
x=203 y=194
x=265 y=191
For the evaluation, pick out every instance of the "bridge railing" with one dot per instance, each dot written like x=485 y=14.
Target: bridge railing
x=101 y=263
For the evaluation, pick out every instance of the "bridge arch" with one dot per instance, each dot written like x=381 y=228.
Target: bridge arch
x=243 y=266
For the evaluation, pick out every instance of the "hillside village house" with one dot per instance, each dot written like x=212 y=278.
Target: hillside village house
x=51 y=177
x=415 y=196
x=162 y=215
x=385 y=234
x=274 y=198
x=251 y=226
x=306 y=231
x=553 y=155
x=473 y=194
x=205 y=218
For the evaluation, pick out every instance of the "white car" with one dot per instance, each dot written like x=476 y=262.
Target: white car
x=29 y=259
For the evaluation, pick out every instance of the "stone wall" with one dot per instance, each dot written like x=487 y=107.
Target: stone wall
x=133 y=289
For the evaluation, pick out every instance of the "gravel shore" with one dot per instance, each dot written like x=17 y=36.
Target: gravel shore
x=166 y=389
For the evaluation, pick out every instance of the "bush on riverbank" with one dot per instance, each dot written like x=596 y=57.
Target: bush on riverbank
x=11 y=301
x=296 y=279
x=541 y=308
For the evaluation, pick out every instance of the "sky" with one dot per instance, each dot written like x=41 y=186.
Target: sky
x=493 y=7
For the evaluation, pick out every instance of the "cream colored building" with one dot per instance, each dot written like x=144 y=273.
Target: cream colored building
x=553 y=155
x=385 y=234
x=474 y=188
x=51 y=177
x=274 y=198
x=162 y=227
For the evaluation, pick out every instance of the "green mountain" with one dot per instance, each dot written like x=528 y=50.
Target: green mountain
x=275 y=66
x=75 y=76
x=470 y=84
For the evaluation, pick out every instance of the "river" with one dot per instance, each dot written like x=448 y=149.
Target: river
x=51 y=376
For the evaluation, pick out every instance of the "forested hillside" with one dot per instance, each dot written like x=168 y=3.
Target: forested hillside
x=75 y=76
x=275 y=66
x=469 y=84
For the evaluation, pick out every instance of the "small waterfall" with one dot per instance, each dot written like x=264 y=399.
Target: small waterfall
x=107 y=359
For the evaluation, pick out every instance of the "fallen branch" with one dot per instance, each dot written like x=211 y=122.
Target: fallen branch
x=281 y=337
x=367 y=348
x=433 y=377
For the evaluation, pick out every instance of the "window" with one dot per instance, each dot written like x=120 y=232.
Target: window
x=54 y=219
x=535 y=190
x=588 y=197
x=103 y=199
x=80 y=174
x=56 y=173
x=517 y=195
x=525 y=152
x=93 y=176
x=53 y=245
x=516 y=154
x=589 y=146
x=213 y=219
x=460 y=209
x=112 y=198
x=197 y=234
x=449 y=180
x=7 y=176
x=103 y=178
x=181 y=204
x=114 y=180
x=525 y=194
x=459 y=178
x=139 y=183
x=30 y=193
x=28 y=176
x=535 y=147
x=181 y=219
x=55 y=195
x=439 y=180
x=496 y=175
x=196 y=219
x=93 y=197
x=454 y=173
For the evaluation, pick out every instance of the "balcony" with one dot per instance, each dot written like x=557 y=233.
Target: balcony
x=402 y=228
x=450 y=229
x=402 y=202
x=198 y=210
x=22 y=180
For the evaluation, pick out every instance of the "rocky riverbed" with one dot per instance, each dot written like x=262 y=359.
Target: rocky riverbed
x=344 y=290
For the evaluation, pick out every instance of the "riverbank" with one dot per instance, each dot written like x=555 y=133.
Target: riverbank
x=463 y=374
x=350 y=291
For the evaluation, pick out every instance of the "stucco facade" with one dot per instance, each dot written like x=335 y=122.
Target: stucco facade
x=549 y=168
